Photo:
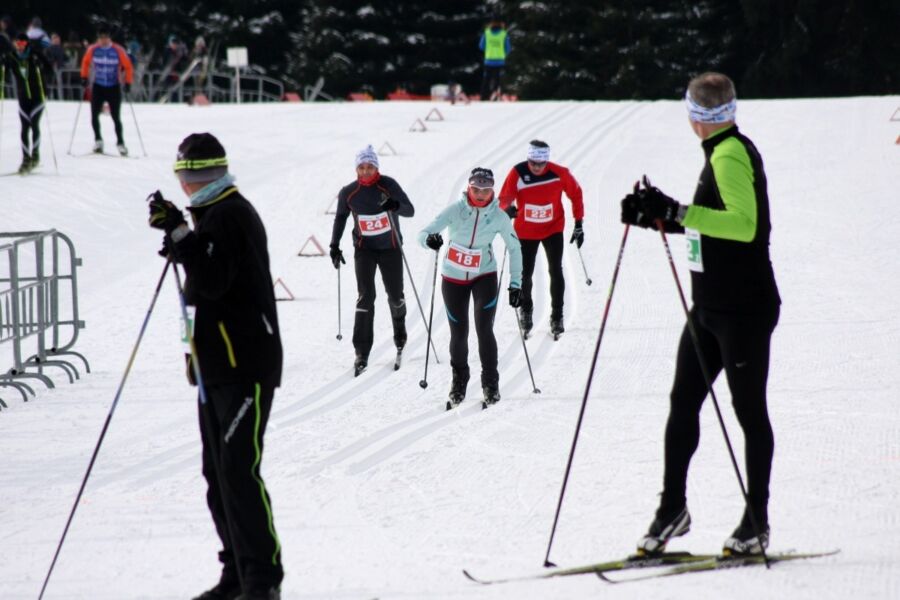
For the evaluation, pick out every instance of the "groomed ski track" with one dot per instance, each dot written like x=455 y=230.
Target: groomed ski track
x=377 y=491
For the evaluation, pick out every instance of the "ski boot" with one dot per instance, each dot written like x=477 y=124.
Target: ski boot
x=556 y=328
x=98 y=146
x=221 y=591
x=123 y=151
x=744 y=540
x=491 y=395
x=360 y=364
x=525 y=320
x=399 y=342
x=668 y=523
x=261 y=594
x=35 y=160
x=457 y=389
x=25 y=167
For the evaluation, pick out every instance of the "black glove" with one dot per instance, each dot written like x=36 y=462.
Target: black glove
x=656 y=205
x=388 y=203
x=163 y=214
x=127 y=87
x=337 y=257
x=577 y=234
x=632 y=211
x=434 y=241
x=515 y=297
x=84 y=82
x=512 y=211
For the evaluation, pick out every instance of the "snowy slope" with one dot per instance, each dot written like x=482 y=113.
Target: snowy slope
x=377 y=491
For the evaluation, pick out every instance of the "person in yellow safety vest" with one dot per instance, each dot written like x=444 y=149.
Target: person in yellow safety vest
x=495 y=44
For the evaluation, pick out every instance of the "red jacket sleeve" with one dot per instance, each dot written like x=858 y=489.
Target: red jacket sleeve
x=573 y=191
x=510 y=189
x=86 y=61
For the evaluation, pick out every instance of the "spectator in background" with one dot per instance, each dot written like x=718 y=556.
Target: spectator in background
x=200 y=53
x=133 y=49
x=73 y=48
x=6 y=33
x=56 y=53
x=36 y=33
x=495 y=44
x=174 y=57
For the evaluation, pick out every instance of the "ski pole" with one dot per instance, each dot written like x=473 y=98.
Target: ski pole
x=109 y=416
x=138 y=129
x=534 y=387
x=500 y=281
x=75 y=125
x=49 y=128
x=339 y=336
x=213 y=441
x=415 y=291
x=712 y=394
x=587 y=279
x=424 y=383
x=587 y=391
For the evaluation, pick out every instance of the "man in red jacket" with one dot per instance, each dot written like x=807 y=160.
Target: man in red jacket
x=532 y=196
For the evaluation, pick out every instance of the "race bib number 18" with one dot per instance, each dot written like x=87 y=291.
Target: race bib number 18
x=374 y=224
x=466 y=259
x=694 y=250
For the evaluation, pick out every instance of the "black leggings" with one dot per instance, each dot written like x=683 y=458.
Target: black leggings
x=739 y=343
x=456 y=298
x=112 y=96
x=390 y=263
x=553 y=248
x=30 y=118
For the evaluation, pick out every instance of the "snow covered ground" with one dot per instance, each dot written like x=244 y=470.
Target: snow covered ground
x=377 y=491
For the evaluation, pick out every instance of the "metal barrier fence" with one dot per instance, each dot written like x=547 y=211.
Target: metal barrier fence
x=38 y=309
x=169 y=86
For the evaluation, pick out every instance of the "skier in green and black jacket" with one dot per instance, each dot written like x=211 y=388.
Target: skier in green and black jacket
x=239 y=351
x=24 y=61
x=736 y=308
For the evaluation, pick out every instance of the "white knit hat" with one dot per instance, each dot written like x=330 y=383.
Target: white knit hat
x=367 y=155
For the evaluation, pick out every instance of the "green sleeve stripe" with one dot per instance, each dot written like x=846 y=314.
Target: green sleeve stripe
x=734 y=177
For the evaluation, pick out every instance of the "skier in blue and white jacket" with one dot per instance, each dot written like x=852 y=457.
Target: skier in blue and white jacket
x=470 y=270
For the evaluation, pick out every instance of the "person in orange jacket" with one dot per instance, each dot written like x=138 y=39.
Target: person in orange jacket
x=532 y=196
x=110 y=62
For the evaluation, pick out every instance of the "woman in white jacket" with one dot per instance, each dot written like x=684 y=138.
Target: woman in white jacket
x=470 y=271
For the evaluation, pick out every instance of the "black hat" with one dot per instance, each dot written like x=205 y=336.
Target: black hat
x=481 y=177
x=201 y=157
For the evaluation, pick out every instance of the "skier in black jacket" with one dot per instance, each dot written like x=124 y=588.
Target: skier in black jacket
x=375 y=201
x=736 y=308
x=239 y=350
x=24 y=61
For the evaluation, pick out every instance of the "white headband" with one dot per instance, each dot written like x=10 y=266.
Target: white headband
x=367 y=155
x=538 y=154
x=718 y=114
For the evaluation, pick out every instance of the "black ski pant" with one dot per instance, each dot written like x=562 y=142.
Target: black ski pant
x=738 y=343
x=390 y=263
x=232 y=426
x=30 y=116
x=112 y=96
x=553 y=249
x=456 y=299
x=490 y=81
